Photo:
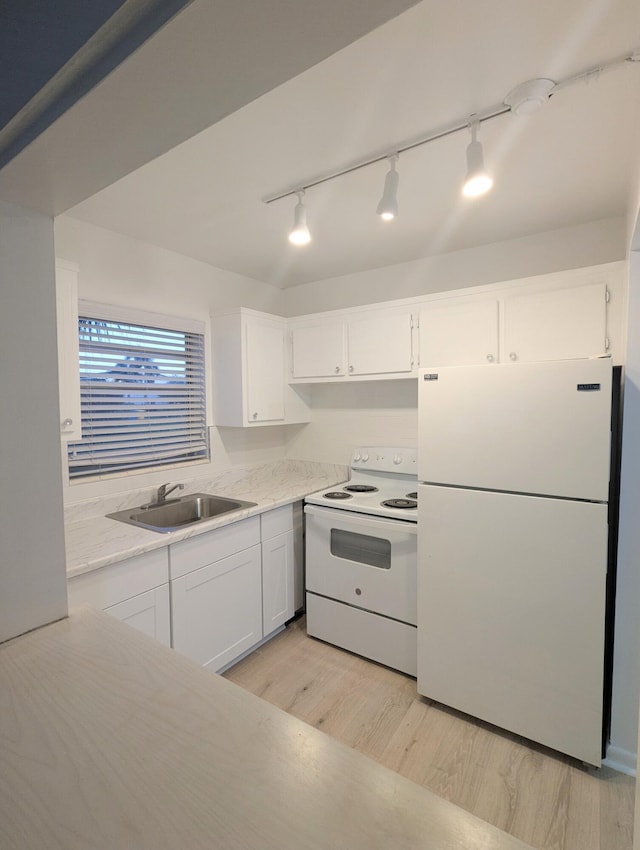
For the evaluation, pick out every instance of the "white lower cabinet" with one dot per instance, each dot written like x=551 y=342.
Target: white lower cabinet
x=212 y=597
x=233 y=587
x=135 y=590
x=148 y=612
x=217 y=609
x=277 y=582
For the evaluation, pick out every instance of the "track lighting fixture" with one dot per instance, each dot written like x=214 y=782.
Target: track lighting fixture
x=299 y=234
x=388 y=206
x=524 y=99
x=477 y=181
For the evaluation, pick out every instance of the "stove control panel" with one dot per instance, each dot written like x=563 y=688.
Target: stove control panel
x=384 y=459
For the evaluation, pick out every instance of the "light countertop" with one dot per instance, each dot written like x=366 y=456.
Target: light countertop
x=94 y=541
x=110 y=740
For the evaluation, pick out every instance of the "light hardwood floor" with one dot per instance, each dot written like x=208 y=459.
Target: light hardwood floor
x=549 y=801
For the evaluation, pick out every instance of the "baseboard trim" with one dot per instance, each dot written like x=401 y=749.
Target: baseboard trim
x=621 y=760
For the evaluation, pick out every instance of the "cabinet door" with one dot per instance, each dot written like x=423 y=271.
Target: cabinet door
x=264 y=371
x=148 y=613
x=277 y=581
x=556 y=324
x=217 y=610
x=459 y=332
x=318 y=350
x=380 y=344
x=68 y=356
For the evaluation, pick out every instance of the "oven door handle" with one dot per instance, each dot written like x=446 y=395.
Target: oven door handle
x=361 y=519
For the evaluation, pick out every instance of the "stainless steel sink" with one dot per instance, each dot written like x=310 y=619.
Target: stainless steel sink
x=180 y=513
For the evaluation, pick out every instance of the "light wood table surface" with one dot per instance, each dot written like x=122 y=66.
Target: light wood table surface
x=108 y=740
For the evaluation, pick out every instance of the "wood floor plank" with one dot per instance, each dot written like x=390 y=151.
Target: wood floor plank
x=545 y=799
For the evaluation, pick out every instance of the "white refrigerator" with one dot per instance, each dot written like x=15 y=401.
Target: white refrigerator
x=513 y=466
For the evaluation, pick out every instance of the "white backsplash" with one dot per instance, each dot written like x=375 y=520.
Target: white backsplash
x=369 y=413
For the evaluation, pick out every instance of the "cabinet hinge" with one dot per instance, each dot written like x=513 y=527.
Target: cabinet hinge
x=606 y=343
x=607 y=295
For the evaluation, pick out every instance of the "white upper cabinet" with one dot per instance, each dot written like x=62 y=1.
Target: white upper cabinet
x=380 y=343
x=319 y=349
x=264 y=342
x=555 y=324
x=573 y=314
x=459 y=332
x=68 y=356
x=360 y=344
x=249 y=371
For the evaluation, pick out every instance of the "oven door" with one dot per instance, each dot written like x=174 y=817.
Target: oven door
x=365 y=561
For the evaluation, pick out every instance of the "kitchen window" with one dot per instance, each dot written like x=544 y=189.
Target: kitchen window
x=142 y=393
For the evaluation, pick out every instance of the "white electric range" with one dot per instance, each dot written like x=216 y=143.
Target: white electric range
x=361 y=558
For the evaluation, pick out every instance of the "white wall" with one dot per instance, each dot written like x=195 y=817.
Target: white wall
x=567 y=248
x=32 y=559
x=116 y=269
x=371 y=413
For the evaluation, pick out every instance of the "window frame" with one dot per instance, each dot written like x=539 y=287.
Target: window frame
x=145 y=318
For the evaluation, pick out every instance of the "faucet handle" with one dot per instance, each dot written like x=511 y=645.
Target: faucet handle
x=165 y=489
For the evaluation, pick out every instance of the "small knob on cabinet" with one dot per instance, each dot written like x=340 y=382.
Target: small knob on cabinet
x=490 y=358
x=513 y=356
x=67 y=423
x=337 y=370
x=255 y=415
x=351 y=368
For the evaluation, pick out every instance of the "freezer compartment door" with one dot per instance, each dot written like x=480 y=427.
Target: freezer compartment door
x=511 y=611
x=539 y=428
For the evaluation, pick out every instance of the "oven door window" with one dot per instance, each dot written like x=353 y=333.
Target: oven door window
x=361 y=548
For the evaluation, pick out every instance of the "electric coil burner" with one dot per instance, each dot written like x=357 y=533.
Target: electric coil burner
x=361 y=559
x=404 y=504
x=381 y=484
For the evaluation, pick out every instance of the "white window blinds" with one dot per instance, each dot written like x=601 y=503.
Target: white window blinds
x=142 y=395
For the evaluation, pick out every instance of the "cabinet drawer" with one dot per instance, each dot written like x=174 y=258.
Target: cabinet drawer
x=277 y=521
x=109 y=585
x=196 y=552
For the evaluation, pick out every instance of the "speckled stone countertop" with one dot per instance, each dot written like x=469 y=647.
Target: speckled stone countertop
x=94 y=541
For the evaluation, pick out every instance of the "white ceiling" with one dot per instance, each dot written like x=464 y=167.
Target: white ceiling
x=435 y=64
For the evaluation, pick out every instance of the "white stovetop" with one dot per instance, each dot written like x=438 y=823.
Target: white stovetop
x=393 y=471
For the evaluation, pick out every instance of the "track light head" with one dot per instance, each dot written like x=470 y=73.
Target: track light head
x=388 y=206
x=299 y=233
x=477 y=181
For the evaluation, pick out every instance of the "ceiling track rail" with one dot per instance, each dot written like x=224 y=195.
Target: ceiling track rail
x=481 y=117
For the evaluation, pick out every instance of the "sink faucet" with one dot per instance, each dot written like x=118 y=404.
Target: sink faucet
x=164 y=490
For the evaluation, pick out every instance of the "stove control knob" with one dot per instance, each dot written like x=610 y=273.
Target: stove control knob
x=356 y=456
x=397 y=459
x=365 y=457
